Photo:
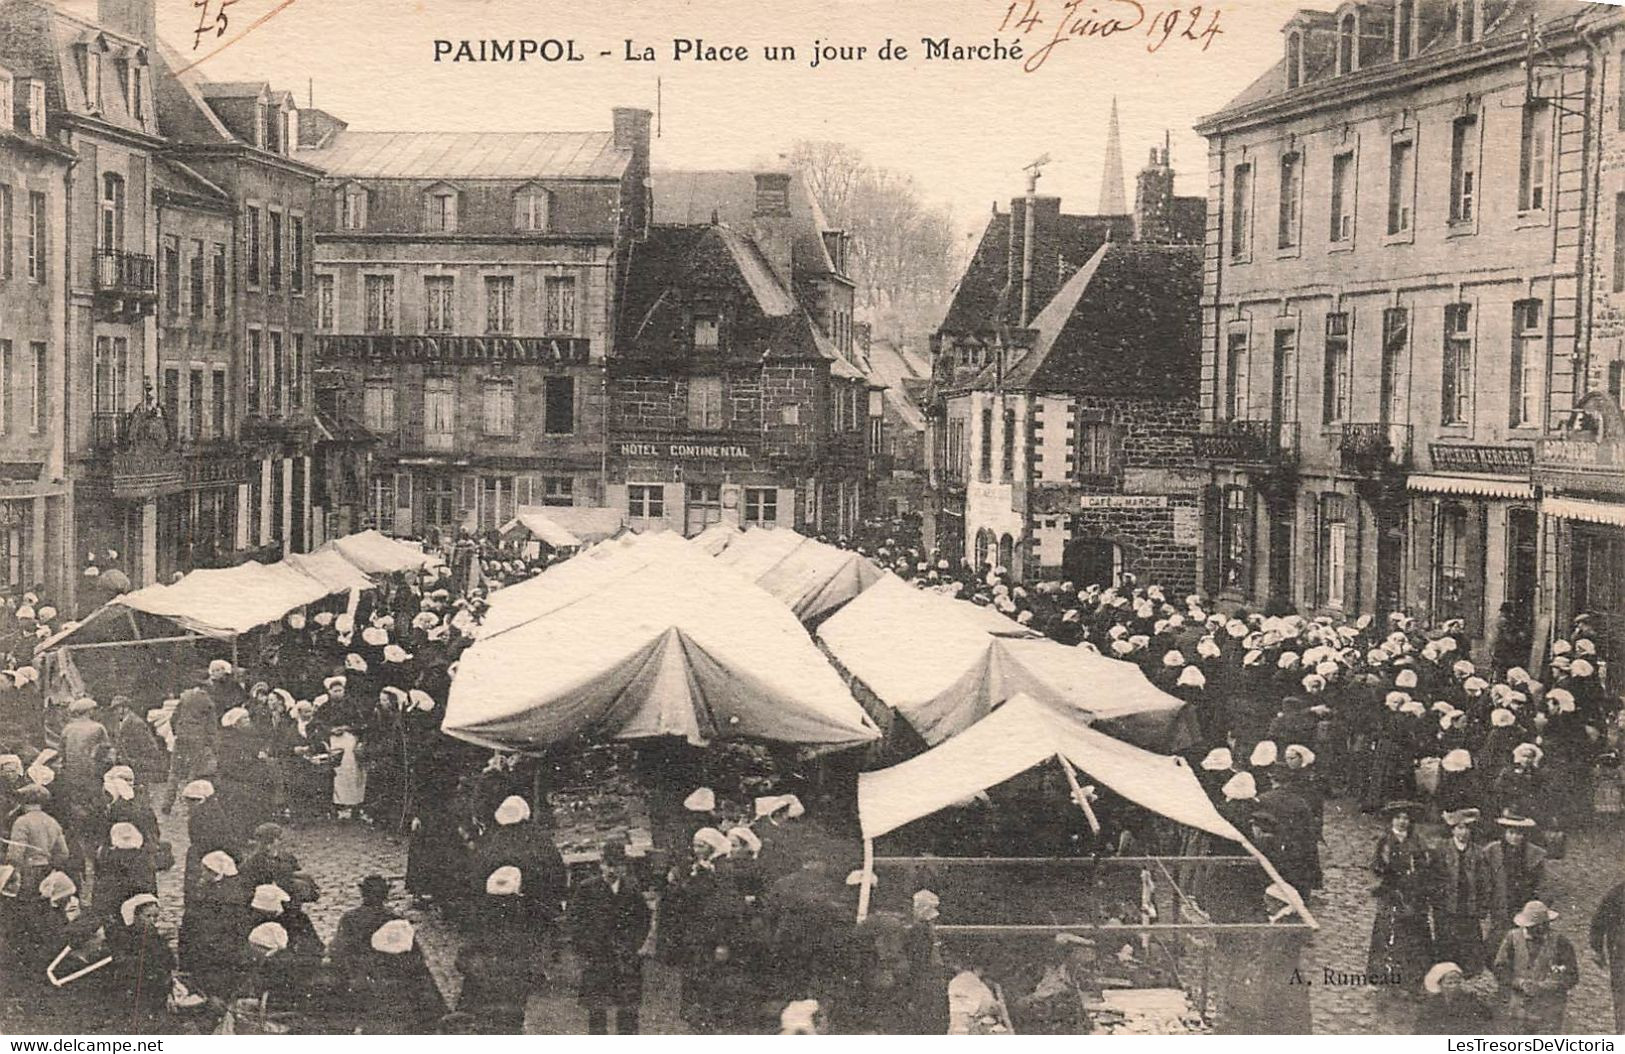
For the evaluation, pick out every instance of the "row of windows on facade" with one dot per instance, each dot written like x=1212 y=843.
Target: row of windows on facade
x=400 y=501
x=1455 y=557
x=498 y=408
x=532 y=208
x=130 y=69
x=25 y=236
x=703 y=504
x=1354 y=26
x=1097 y=452
x=1466 y=190
x=268 y=251
x=379 y=308
x=1525 y=364
x=32 y=94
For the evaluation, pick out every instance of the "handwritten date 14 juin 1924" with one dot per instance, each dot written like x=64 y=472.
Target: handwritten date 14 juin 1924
x=1159 y=26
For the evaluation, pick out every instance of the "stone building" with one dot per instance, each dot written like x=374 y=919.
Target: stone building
x=464 y=297
x=1063 y=407
x=35 y=502
x=1390 y=309
x=906 y=374
x=730 y=401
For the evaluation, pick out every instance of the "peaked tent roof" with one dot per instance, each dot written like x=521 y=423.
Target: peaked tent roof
x=377 y=553
x=945 y=664
x=647 y=636
x=567 y=526
x=812 y=578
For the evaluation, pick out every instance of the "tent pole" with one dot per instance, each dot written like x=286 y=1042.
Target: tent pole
x=868 y=878
x=1077 y=794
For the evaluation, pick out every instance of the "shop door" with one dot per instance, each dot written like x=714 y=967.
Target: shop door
x=1523 y=570
x=1090 y=562
x=1390 y=559
x=1280 y=558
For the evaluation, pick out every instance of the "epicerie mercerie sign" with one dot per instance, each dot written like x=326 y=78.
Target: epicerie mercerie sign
x=684 y=450
x=1122 y=501
x=522 y=351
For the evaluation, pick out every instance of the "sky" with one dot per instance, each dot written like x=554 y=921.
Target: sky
x=963 y=130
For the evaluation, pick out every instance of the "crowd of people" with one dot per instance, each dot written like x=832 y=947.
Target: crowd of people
x=334 y=716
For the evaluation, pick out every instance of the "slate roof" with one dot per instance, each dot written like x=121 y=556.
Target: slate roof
x=470 y=155
x=39 y=37
x=693 y=197
x=179 y=179
x=976 y=304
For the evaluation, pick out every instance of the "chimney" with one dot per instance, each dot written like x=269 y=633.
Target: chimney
x=632 y=135
x=1033 y=269
x=770 y=224
x=1154 y=200
x=135 y=18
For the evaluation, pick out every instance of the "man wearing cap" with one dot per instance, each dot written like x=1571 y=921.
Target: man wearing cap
x=1516 y=867
x=87 y=751
x=1536 y=969
x=1461 y=897
x=1608 y=946
x=607 y=921
x=1401 y=943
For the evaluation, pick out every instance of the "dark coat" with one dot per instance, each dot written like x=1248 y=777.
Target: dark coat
x=607 y=929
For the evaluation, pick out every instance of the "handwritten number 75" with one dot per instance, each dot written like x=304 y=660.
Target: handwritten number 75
x=205 y=24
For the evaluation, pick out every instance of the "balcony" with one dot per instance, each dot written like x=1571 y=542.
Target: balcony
x=294 y=428
x=1375 y=448
x=1261 y=444
x=126 y=285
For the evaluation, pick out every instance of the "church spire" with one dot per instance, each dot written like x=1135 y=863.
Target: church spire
x=1113 y=201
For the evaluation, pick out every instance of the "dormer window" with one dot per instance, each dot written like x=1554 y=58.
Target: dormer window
x=36 y=107
x=1404 y=29
x=135 y=89
x=350 y=204
x=1348 y=44
x=6 y=96
x=440 y=208
x=91 y=68
x=532 y=208
x=1294 y=60
x=1467 y=21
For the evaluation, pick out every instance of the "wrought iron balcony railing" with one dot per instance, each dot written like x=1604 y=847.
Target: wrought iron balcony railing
x=1273 y=443
x=1375 y=447
x=125 y=273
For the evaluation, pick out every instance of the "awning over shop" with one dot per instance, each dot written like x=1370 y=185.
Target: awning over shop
x=565 y=526
x=811 y=577
x=945 y=664
x=1471 y=486
x=376 y=553
x=1609 y=513
x=647 y=636
x=330 y=569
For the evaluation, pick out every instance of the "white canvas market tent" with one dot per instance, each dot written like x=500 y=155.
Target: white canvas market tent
x=1019 y=735
x=812 y=578
x=377 y=553
x=647 y=636
x=944 y=664
x=565 y=527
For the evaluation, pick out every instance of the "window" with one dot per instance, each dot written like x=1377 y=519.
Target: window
x=439 y=413
x=110 y=372
x=1235 y=373
x=1616 y=383
x=1235 y=540
x=498 y=304
x=560 y=314
x=1396 y=340
x=36 y=236
x=1284 y=377
x=1241 y=212
x=498 y=406
x=762 y=506
x=1348 y=45
x=172 y=397
x=1335 y=386
x=378 y=406
x=1097 y=449
x=439 y=501
x=379 y=290
x=219 y=277
x=439 y=307
x=383 y=501
x=1342 y=230
x=1401 y=185
x=1456 y=404
x=645 y=501
x=172 y=277
x=296 y=372
x=93 y=77
x=296 y=250
x=1404 y=29
x=196 y=407
x=36 y=107
x=217 y=404
x=558 y=405
x=197 y=288
x=706 y=331
x=251 y=232
x=1528 y=356
x=255 y=368
x=111 y=231
x=984 y=467
x=275 y=248
x=324 y=302
x=530 y=209
x=352 y=207
x=1332 y=555
x=1463 y=168
x=39 y=387
x=441 y=211
x=1533 y=157
x=705 y=403
x=1450 y=563
x=704 y=502
x=5 y=231
x=279 y=374
x=1290 y=194
x=561 y=490
x=790 y=414
x=1007 y=455
x=1294 y=60
x=1467 y=21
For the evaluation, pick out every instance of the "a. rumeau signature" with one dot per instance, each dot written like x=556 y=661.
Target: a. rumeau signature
x=1158 y=25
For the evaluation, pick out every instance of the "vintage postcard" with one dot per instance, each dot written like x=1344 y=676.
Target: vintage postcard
x=1030 y=517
